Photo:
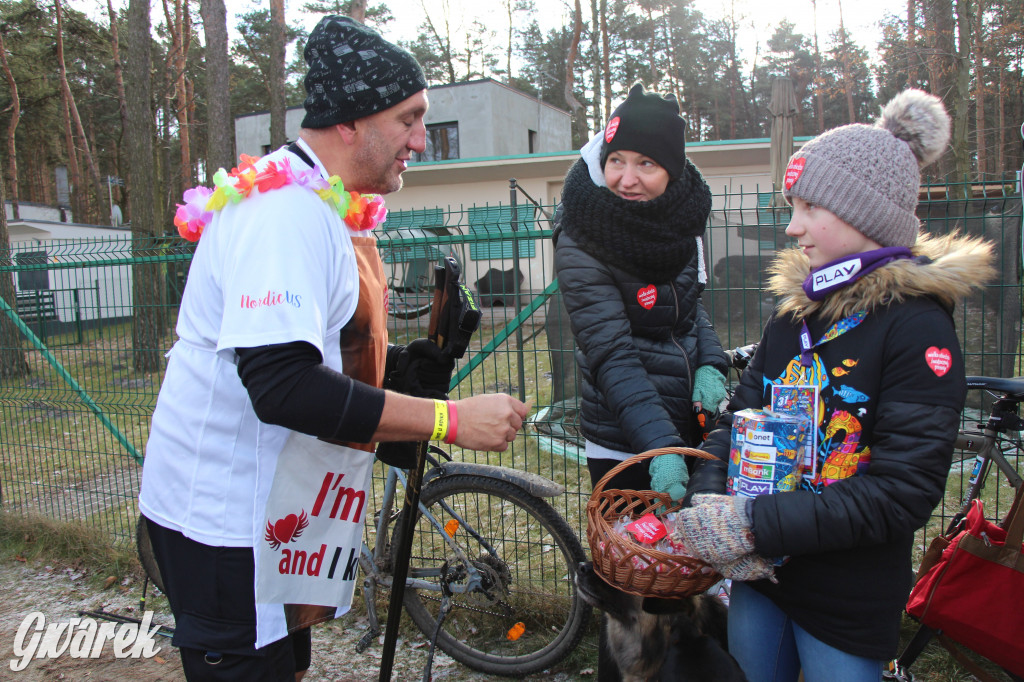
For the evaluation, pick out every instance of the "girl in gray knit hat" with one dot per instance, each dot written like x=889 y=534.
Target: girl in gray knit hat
x=821 y=573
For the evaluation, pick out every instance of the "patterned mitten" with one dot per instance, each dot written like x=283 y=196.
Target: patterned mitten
x=709 y=388
x=669 y=475
x=748 y=567
x=716 y=528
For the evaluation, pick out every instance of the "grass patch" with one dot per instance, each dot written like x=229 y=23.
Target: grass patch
x=70 y=543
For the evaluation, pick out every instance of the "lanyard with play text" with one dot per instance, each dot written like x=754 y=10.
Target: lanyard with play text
x=841 y=327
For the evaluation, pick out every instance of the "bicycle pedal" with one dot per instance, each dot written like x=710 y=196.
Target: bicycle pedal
x=897 y=674
x=366 y=639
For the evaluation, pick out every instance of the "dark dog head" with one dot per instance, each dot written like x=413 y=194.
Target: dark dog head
x=650 y=639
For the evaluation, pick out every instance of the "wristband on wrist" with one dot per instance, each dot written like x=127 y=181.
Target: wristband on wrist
x=440 y=420
x=453 y=423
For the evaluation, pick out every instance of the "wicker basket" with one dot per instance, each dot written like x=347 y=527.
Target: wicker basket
x=630 y=566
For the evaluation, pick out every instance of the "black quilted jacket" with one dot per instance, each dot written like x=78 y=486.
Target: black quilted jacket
x=637 y=347
x=892 y=389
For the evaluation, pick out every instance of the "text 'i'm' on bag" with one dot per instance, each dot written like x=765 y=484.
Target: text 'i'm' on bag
x=975 y=590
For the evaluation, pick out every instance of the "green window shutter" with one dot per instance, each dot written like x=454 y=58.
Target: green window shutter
x=492 y=221
x=408 y=224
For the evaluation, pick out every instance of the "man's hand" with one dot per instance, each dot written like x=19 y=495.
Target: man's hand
x=422 y=370
x=489 y=421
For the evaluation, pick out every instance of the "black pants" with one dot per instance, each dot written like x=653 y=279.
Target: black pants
x=210 y=590
x=634 y=477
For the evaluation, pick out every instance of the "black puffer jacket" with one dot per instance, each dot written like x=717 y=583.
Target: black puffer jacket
x=891 y=391
x=638 y=345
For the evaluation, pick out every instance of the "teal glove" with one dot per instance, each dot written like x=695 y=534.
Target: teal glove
x=716 y=528
x=708 y=388
x=669 y=475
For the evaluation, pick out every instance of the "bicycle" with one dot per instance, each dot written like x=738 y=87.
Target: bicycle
x=490 y=579
x=999 y=436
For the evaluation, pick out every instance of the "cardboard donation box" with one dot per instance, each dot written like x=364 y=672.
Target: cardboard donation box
x=767 y=452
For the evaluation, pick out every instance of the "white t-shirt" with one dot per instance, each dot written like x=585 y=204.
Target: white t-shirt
x=274 y=268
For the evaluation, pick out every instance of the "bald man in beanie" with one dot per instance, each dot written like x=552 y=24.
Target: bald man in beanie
x=282 y=330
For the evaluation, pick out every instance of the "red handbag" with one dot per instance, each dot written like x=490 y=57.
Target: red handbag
x=974 y=593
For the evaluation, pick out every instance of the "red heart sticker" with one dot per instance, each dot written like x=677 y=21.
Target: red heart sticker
x=648 y=529
x=284 y=528
x=793 y=172
x=647 y=296
x=609 y=132
x=939 y=360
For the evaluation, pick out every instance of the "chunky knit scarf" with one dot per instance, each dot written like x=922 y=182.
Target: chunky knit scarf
x=653 y=240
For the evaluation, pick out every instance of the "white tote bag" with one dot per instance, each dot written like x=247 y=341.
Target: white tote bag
x=312 y=529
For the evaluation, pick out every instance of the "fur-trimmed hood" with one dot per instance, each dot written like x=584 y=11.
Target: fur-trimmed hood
x=958 y=265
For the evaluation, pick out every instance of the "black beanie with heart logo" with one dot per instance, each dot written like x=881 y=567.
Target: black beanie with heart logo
x=648 y=124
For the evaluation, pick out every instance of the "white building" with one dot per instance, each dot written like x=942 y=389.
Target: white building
x=465 y=120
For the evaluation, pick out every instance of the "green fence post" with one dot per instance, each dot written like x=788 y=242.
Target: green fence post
x=521 y=374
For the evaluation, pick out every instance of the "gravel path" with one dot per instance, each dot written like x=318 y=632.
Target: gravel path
x=59 y=593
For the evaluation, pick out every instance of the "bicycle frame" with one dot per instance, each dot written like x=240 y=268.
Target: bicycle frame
x=372 y=562
x=1003 y=417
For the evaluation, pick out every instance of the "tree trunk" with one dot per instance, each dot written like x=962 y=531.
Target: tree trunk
x=1001 y=133
x=595 y=42
x=570 y=70
x=180 y=30
x=277 y=40
x=979 y=95
x=941 y=53
x=961 y=112
x=73 y=110
x=911 y=43
x=733 y=70
x=13 y=364
x=605 y=60
x=122 y=106
x=844 y=45
x=819 y=103
x=146 y=280
x=12 y=157
x=220 y=148
x=77 y=200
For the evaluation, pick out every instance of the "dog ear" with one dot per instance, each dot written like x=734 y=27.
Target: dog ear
x=599 y=594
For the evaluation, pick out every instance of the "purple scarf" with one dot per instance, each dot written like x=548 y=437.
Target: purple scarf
x=843 y=271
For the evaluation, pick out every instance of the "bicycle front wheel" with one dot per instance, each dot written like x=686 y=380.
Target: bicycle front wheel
x=514 y=605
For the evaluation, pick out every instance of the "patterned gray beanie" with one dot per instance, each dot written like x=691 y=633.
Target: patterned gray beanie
x=353 y=73
x=869 y=176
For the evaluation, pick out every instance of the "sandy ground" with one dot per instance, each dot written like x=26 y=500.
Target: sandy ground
x=60 y=593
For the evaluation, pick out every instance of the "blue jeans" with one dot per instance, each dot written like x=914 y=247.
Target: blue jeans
x=770 y=647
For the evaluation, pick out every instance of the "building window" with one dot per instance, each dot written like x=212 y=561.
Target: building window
x=533 y=141
x=442 y=142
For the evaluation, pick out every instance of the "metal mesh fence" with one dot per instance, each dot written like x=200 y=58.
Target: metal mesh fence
x=93 y=319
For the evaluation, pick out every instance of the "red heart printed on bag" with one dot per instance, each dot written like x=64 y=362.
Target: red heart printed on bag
x=647 y=296
x=939 y=360
x=284 y=528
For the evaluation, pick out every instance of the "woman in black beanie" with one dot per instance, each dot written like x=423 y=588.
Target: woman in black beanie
x=629 y=261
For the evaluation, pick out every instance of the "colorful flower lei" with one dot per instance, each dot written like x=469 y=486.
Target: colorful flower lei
x=360 y=211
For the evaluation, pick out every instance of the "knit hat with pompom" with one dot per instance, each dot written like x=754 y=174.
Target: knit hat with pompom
x=869 y=175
